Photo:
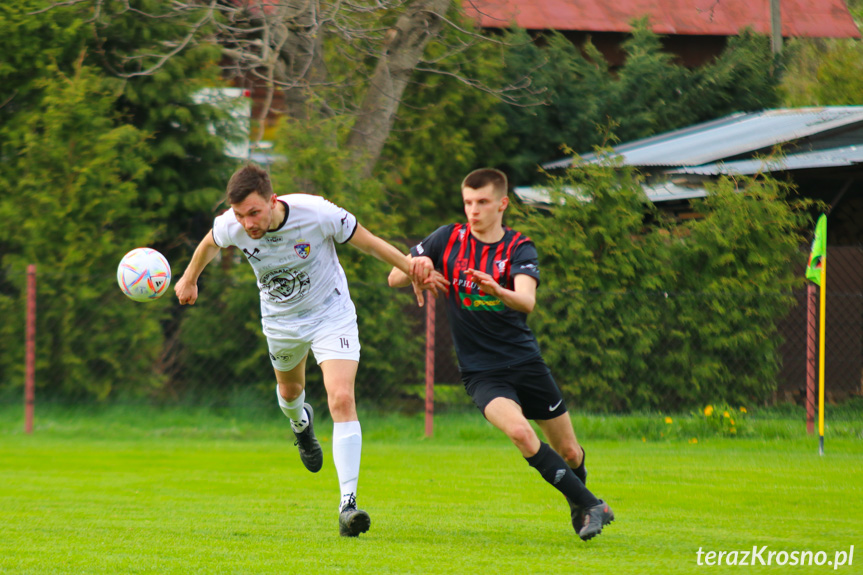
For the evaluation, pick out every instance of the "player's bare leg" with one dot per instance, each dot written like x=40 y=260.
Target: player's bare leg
x=292 y=383
x=561 y=437
x=292 y=397
x=339 y=379
x=506 y=415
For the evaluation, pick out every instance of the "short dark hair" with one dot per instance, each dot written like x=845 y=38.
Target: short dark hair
x=485 y=176
x=250 y=178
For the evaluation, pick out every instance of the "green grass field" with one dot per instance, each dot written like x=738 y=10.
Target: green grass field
x=145 y=491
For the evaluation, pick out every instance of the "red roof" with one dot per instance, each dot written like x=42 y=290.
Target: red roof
x=809 y=18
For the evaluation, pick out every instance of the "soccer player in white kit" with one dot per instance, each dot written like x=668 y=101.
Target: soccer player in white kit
x=305 y=304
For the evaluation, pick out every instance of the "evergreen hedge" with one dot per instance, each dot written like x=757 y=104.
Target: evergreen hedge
x=638 y=311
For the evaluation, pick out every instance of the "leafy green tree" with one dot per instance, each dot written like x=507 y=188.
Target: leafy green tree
x=601 y=268
x=189 y=168
x=650 y=93
x=445 y=129
x=74 y=180
x=30 y=44
x=823 y=73
x=574 y=89
x=735 y=274
x=104 y=47
x=635 y=314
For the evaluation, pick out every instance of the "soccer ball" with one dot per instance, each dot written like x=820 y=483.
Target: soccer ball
x=144 y=274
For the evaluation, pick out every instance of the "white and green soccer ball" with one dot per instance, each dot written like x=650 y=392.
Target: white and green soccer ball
x=144 y=274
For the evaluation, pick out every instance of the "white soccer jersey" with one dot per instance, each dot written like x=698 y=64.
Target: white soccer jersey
x=298 y=271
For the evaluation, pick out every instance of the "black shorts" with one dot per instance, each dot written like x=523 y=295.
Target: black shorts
x=530 y=385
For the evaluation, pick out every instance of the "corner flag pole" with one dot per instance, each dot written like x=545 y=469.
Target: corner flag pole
x=430 y=335
x=821 y=342
x=816 y=271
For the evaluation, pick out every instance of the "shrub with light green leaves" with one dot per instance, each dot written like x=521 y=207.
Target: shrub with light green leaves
x=638 y=312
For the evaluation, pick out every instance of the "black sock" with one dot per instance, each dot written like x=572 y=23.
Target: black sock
x=554 y=470
x=580 y=471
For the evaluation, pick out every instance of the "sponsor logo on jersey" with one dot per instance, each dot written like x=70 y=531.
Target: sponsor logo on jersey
x=274 y=239
x=252 y=255
x=303 y=249
x=285 y=285
x=461 y=282
x=481 y=302
x=282 y=356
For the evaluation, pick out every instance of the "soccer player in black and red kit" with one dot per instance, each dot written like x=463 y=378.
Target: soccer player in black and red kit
x=489 y=274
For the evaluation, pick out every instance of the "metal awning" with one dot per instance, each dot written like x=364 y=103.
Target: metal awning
x=731 y=137
x=833 y=158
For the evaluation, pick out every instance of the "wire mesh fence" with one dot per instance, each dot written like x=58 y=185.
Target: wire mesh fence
x=609 y=352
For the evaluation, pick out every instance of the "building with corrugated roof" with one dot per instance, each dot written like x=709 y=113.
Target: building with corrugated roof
x=822 y=155
x=695 y=30
x=819 y=150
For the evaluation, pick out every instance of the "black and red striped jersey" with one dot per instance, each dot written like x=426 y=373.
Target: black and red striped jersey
x=486 y=333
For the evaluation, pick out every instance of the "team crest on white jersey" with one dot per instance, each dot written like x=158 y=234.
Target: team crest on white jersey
x=303 y=249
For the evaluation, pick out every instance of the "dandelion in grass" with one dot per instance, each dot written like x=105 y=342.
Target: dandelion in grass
x=668 y=420
x=726 y=415
x=742 y=409
x=708 y=411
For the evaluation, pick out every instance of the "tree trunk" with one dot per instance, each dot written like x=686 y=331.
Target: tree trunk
x=407 y=41
x=302 y=56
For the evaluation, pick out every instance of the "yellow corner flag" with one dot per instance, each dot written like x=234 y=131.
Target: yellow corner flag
x=816 y=271
x=819 y=251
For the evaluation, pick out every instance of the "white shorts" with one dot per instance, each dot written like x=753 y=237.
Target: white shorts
x=334 y=336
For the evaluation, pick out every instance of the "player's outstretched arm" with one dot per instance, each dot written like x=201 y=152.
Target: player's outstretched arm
x=398 y=278
x=368 y=243
x=187 y=288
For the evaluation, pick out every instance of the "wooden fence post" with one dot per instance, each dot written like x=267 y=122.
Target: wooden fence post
x=30 y=351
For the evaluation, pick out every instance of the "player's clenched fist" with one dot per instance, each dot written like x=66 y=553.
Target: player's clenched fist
x=187 y=292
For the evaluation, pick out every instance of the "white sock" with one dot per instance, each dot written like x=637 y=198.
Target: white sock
x=347 y=448
x=294 y=410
